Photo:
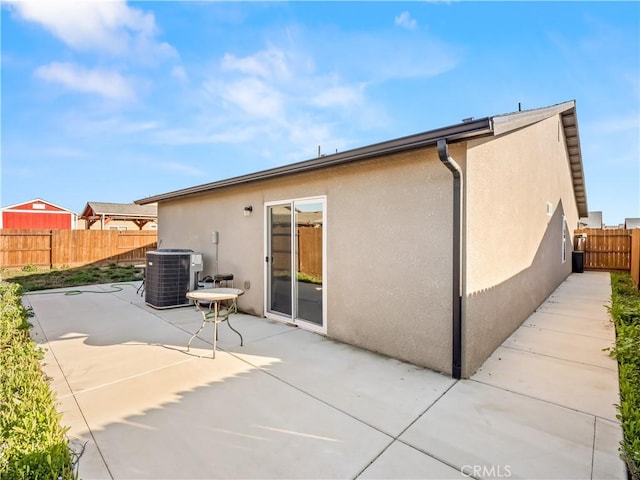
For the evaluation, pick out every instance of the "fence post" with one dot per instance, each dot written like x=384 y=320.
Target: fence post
x=635 y=257
x=51 y=249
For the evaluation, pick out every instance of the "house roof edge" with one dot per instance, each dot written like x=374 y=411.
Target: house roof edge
x=453 y=133
x=495 y=125
x=34 y=200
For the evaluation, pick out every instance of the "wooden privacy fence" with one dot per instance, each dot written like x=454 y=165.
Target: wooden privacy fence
x=310 y=250
x=57 y=248
x=611 y=249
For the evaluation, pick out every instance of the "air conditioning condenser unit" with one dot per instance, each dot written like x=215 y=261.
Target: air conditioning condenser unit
x=169 y=274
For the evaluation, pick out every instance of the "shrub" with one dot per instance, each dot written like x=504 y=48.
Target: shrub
x=33 y=444
x=625 y=311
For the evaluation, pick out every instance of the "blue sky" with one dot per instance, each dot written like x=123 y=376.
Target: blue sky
x=115 y=101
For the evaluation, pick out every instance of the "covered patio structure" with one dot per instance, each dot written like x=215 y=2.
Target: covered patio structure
x=103 y=216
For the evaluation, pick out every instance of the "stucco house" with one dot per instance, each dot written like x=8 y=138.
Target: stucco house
x=630 y=223
x=593 y=220
x=431 y=248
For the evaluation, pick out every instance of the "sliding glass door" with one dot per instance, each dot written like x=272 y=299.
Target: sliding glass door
x=279 y=259
x=295 y=259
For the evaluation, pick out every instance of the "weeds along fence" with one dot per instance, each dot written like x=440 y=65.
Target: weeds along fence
x=612 y=249
x=73 y=248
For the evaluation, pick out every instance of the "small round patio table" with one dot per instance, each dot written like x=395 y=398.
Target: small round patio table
x=210 y=303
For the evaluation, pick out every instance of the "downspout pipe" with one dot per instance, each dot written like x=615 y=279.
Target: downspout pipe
x=443 y=154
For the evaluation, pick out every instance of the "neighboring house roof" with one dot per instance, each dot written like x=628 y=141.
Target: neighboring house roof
x=36 y=201
x=138 y=214
x=631 y=223
x=593 y=220
x=122 y=211
x=484 y=127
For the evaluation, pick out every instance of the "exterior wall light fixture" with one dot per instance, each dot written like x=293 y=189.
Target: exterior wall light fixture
x=248 y=210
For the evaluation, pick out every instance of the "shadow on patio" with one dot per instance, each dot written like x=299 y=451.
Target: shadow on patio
x=289 y=404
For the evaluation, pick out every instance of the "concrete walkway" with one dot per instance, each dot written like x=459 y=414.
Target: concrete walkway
x=292 y=404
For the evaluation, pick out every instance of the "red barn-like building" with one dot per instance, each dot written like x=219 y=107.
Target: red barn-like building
x=37 y=214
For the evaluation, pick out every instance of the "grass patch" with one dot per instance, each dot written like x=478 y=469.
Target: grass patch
x=625 y=311
x=33 y=444
x=308 y=278
x=34 y=279
x=301 y=277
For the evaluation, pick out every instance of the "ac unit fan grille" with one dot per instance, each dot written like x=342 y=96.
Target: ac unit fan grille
x=168 y=278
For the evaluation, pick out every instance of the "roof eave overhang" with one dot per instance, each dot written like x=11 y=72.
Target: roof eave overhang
x=572 y=140
x=125 y=215
x=495 y=126
x=455 y=133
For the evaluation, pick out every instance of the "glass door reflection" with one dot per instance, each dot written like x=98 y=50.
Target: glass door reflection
x=309 y=220
x=280 y=259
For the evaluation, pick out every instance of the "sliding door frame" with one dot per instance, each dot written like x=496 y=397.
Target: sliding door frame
x=293 y=319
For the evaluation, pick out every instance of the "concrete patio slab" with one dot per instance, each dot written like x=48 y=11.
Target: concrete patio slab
x=252 y=329
x=381 y=392
x=585 y=388
x=231 y=421
x=606 y=459
x=577 y=309
x=115 y=341
x=505 y=434
x=82 y=441
x=573 y=293
x=401 y=461
x=292 y=404
x=595 y=327
x=589 y=350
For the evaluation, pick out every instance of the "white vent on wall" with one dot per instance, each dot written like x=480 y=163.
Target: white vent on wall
x=549 y=208
x=37 y=206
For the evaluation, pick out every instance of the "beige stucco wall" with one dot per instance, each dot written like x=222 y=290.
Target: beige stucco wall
x=388 y=227
x=513 y=247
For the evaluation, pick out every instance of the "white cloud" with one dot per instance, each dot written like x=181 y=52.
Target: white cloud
x=65 y=152
x=137 y=127
x=339 y=96
x=254 y=97
x=106 y=83
x=404 y=20
x=104 y=26
x=615 y=124
x=277 y=84
x=201 y=134
x=182 y=168
x=397 y=56
x=179 y=73
x=297 y=92
x=268 y=63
